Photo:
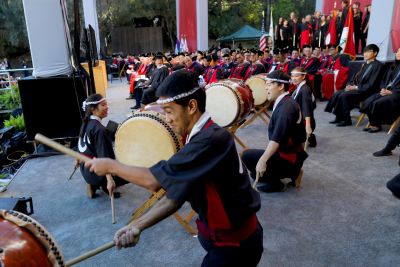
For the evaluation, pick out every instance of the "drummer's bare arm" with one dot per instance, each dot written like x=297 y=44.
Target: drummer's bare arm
x=270 y=150
x=129 y=235
x=136 y=175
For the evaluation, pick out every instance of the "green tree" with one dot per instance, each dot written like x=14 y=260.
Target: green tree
x=13 y=35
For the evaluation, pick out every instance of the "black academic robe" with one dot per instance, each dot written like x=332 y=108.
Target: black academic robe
x=241 y=72
x=305 y=99
x=158 y=76
x=385 y=109
x=257 y=68
x=213 y=74
x=367 y=80
x=226 y=69
x=96 y=143
x=196 y=68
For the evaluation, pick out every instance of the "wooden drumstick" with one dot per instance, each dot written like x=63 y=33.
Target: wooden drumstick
x=90 y=254
x=73 y=172
x=306 y=144
x=48 y=142
x=112 y=208
x=256 y=181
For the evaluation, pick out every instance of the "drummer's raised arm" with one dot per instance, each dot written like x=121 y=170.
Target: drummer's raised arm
x=136 y=175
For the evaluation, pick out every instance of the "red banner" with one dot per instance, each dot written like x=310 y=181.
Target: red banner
x=187 y=23
x=329 y=4
x=396 y=27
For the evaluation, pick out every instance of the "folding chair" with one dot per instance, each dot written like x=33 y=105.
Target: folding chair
x=394 y=125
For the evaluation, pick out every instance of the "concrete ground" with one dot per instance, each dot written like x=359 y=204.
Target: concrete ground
x=341 y=216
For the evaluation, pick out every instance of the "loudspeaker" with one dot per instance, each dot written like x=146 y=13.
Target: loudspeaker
x=52 y=106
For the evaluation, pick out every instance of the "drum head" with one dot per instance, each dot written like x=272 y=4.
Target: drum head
x=145 y=139
x=257 y=86
x=222 y=103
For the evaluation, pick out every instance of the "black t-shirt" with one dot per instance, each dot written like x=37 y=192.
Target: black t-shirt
x=209 y=157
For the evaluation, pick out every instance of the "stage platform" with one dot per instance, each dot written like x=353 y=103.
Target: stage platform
x=343 y=215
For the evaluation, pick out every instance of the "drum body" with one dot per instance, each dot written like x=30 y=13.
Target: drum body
x=25 y=242
x=257 y=86
x=229 y=101
x=144 y=139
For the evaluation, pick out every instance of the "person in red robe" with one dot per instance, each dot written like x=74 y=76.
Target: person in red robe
x=242 y=70
x=339 y=67
x=306 y=32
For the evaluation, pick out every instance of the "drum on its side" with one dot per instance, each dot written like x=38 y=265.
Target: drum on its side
x=25 y=242
x=229 y=101
x=144 y=139
x=258 y=88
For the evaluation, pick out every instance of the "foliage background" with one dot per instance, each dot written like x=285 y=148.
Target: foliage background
x=225 y=17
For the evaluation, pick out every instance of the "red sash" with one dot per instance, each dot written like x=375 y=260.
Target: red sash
x=219 y=230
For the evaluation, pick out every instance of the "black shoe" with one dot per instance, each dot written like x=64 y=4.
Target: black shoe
x=383 y=152
x=129 y=97
x=268 y=188
x=335 y=121
x=312 y=141
x=366 y=129
x=135 y=107
x=344 y=123
x=375 y=129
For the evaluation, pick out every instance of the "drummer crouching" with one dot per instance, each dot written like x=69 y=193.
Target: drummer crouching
x=94 y=141
x=284 y=155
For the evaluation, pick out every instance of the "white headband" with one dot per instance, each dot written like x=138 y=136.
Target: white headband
x=276 y=80
x=298 y=72
x=84 y=104
x=172 y=99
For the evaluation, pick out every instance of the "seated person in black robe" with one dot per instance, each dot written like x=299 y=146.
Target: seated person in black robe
x=95 y=141
x=284 y=155
x=384 y=107
x=304 y=96
x=193 y=66
x=365 y=83
x=158 y=76
x=207 y=172
x=256 y=66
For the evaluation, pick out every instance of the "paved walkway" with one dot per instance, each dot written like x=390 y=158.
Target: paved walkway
x=341 y=216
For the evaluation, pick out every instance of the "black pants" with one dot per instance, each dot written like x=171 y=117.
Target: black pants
x=277 y=167
x=382 y=109
x=394 y=185
x=317 y=85
x=394 y=140
x=149 y=96
x=138 y=95
x=343 y=102
x=248 y=254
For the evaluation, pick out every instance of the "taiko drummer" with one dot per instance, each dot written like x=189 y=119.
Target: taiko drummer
x=95 y=142
x=207 y=172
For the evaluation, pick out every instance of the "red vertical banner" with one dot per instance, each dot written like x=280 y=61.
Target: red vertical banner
x=188 y=23
x=396 y=27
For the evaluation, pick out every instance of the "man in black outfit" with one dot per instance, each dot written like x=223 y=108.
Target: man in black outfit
x=207 y=172
x=364 y=84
